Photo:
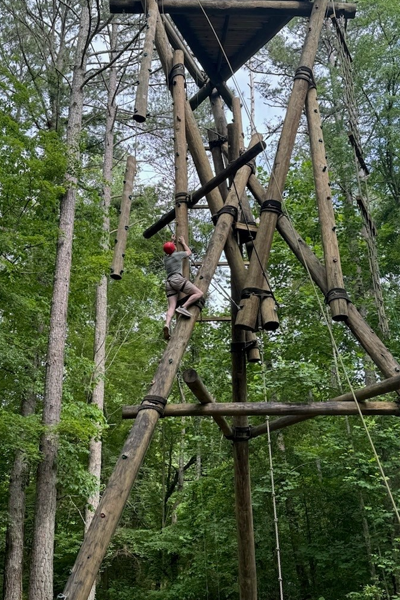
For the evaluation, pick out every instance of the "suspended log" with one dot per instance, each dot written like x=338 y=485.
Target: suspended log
x=336 y=296
x=117 y=267
x=271 y=408
x=196 y=385
x=207 y=188
x=376 y=389
x=273 y=7
x=247 y=317
x=142 y=89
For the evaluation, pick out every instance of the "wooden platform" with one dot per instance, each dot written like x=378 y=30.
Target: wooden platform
x=242 y=27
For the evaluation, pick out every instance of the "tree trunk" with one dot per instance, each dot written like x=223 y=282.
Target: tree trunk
x=41 y=578
x=13 y=566
x=100 y=333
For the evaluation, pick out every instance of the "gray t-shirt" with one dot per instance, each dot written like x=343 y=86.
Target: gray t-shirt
x=173 y=262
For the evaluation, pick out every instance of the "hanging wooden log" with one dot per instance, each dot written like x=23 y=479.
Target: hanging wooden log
x=117 y=267
x=264 y=301
x=290 y=8
x=142 y=89
x=196 y=385
x=230 y=409
x=236 y=148
x=208 y=187
x=336 y=296
x=247 y=317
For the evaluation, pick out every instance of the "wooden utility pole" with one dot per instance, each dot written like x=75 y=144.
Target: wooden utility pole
x=336 y=296
x=244 y=509
x=177 y=85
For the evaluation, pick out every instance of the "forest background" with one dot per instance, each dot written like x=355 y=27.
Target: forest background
x=67 y=89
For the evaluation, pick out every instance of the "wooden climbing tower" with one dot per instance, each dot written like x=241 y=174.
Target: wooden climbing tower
x=211 y=39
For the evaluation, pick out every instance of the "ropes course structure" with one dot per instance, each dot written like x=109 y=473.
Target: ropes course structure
x=230 y=44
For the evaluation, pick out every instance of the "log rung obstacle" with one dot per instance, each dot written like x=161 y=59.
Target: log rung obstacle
x=183 y=21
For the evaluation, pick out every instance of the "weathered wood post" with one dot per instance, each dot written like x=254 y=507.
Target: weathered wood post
x=178 y=90
x=247 y=317
x=142 y=91
x=243 y=503
x=336 y=296
x=252 y=350
x=117 y=267
x=244 y=511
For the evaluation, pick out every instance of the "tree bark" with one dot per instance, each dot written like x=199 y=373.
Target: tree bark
x=95 y=450
x=41 y=577
x=13 y=566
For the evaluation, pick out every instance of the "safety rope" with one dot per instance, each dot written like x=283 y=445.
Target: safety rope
x=272 y=478
x=329 y=325
x=346 y=71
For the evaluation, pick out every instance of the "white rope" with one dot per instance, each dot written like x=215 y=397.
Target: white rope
x=271 y=471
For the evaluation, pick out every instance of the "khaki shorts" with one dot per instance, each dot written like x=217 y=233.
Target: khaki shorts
x=177 y=283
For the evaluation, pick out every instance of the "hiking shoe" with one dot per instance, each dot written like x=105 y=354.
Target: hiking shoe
x=183 y=311
x=166 y=332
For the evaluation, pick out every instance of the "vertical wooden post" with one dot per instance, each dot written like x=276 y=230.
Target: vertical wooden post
x=253 y=352
x=117 y=267
x=142 y=91
x=177 y=84
x=338 y=305
x=244 y=510
x=247 y=317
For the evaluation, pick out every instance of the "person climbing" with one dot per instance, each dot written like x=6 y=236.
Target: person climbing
x=176 y=283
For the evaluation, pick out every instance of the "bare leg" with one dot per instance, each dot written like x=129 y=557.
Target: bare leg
x=172 y=301
x=192 y=299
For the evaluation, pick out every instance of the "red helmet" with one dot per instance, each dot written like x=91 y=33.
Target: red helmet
x=169 y=247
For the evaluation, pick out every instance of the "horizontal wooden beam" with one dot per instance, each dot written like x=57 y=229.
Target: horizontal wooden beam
x=230 y=171
x=271 y=408
x=371 y=391
x=274 y=7
x=202 y=319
